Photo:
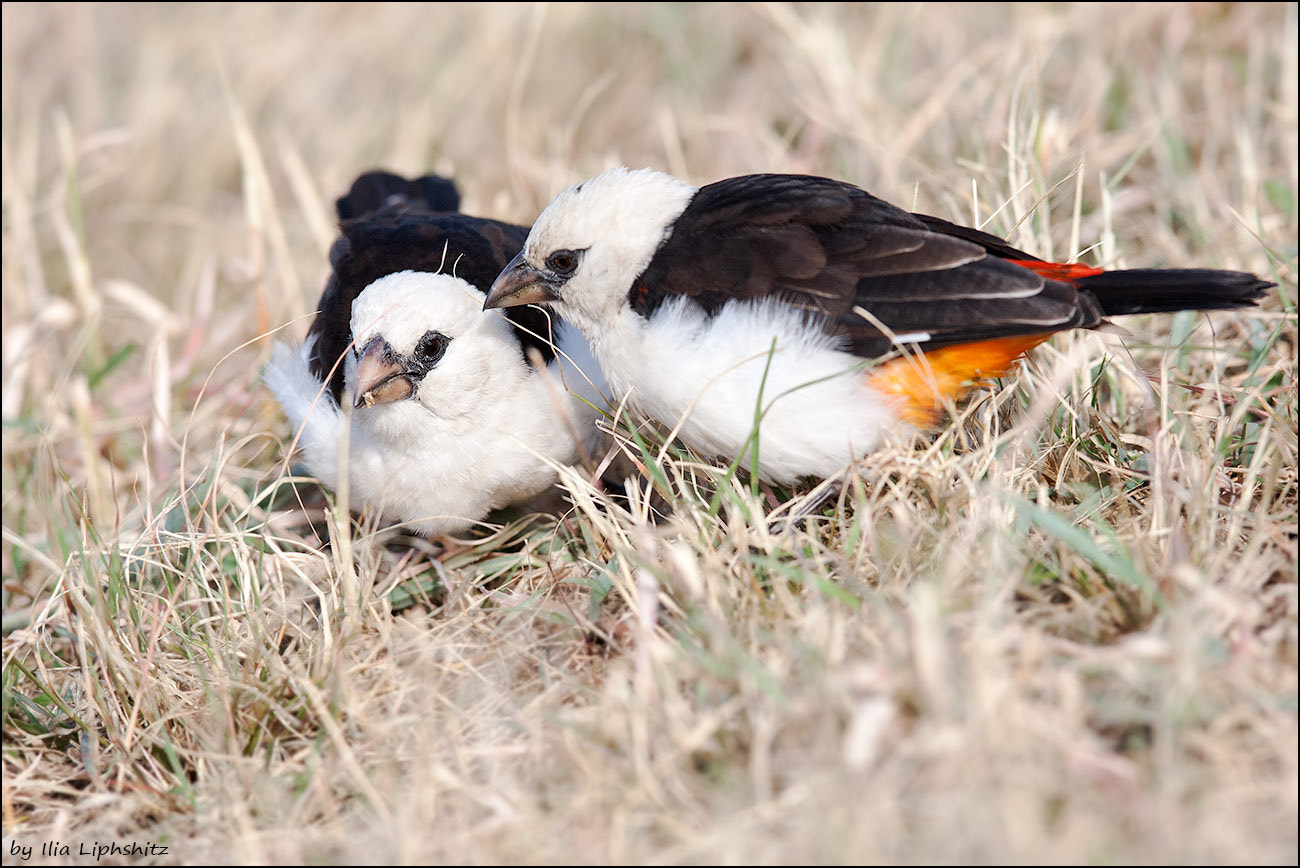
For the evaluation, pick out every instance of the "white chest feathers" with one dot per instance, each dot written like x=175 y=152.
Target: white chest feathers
x=754 y=379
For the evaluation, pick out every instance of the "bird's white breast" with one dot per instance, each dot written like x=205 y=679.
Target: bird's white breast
x=751 y=363
x=440 y=474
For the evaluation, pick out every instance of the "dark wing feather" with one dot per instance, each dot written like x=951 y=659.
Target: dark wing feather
x=379 y=189
x=862 y=268
x=994 y=244
x=399 y=225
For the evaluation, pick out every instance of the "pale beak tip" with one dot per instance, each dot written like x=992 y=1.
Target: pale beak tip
x=518 y=285
x=501 y=289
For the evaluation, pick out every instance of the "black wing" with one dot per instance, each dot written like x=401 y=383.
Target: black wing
x=391 y=224
x=859 y=266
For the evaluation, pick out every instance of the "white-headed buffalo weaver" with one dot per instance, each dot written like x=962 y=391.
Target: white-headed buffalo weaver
x=451 y=419
x=808 y=303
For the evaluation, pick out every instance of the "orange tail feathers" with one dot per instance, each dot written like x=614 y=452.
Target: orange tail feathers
x=922 y=383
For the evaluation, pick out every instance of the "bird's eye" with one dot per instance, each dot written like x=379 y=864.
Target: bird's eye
x=564 y=262
x=431 y=347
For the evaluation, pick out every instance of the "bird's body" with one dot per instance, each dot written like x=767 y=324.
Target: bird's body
x=711 y=375
x=451 y=418
x=805 y=308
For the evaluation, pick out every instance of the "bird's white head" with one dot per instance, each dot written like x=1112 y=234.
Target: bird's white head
x=591 y=243
x=423 y=341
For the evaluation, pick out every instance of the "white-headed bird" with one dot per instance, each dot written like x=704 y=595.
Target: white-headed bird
x=806 y=309
x=450 y=417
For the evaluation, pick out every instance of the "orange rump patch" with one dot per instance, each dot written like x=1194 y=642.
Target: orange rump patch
x=921 y=383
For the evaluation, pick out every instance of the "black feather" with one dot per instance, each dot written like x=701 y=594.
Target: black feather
x=1156 y=290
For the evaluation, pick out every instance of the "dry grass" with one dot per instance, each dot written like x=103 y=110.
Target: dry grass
x=1064 y=631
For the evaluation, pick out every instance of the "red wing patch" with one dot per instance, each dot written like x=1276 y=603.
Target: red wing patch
x=1064 y=271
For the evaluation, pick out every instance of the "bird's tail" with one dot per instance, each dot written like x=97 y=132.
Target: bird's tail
x=1156 y=290
x=1159 y=290
x=922 y=384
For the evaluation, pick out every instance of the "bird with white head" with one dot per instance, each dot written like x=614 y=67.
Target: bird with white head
x=450 y=417
x=804 y=311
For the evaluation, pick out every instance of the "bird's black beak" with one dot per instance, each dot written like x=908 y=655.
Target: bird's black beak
x=520 y=283
x=380 y=376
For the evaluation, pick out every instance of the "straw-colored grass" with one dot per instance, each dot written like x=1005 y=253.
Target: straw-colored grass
x=1064 y=630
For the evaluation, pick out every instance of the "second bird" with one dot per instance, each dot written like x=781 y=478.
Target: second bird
x=450 y=418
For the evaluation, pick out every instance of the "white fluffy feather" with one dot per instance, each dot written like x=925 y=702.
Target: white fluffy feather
x=482 y=430
x=715 y=376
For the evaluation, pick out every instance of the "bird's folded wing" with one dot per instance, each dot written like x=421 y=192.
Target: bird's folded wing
x=862 y=268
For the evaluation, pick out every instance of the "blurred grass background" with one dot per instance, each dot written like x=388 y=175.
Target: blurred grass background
x=1065 y=631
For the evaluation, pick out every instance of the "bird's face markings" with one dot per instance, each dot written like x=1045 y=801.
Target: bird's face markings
x=385 y=375
x=523 y=283
x=425 y=337
x=563 y=263
x=591 y=242
x=429 y=351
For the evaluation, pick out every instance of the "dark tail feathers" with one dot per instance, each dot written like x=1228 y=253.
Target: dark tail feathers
x=1157 y=290
x=378 y=188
